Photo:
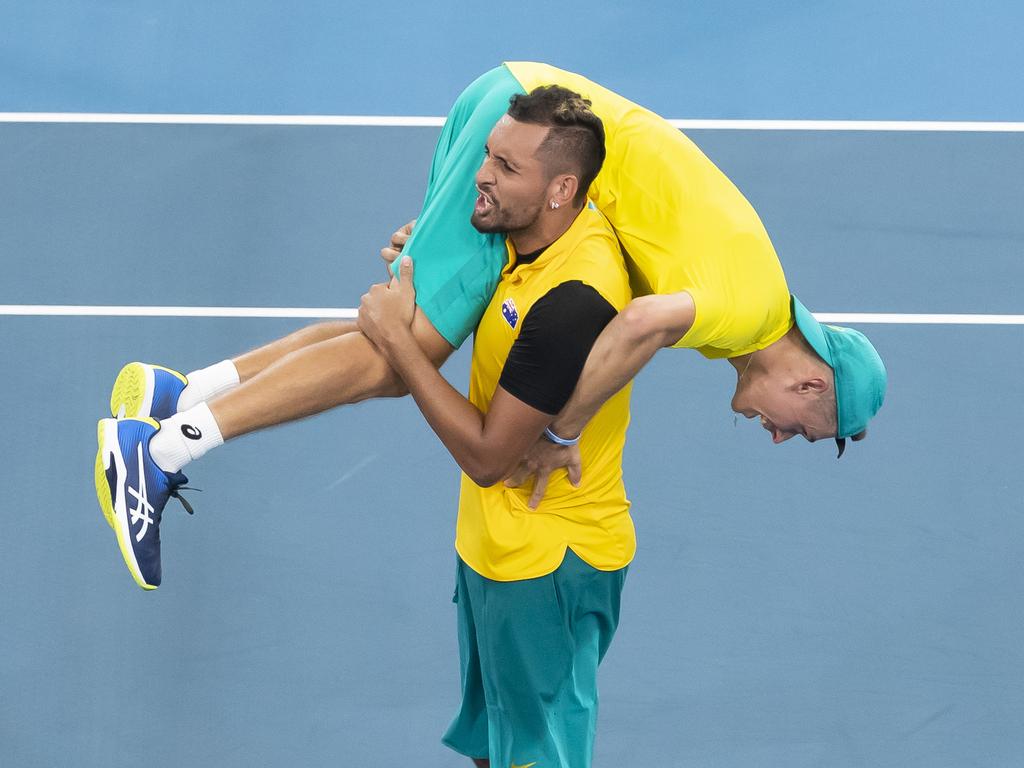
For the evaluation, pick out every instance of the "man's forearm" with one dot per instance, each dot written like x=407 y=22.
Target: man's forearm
x=612 y=363
x=624 y=347
x=485 y=446
x=459 y=424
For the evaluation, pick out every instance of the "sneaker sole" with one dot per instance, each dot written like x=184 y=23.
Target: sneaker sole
x=132 y=395
x=106 y=434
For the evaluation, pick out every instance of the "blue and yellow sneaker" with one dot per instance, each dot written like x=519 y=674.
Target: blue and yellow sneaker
x=132 y=491
x=143 y=390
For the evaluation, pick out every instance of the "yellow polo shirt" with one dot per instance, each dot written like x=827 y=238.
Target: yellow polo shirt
x=683 y=224
x=497 y=534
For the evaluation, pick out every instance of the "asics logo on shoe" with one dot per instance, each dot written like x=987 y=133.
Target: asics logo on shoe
x=192 y=433
x=143 y=508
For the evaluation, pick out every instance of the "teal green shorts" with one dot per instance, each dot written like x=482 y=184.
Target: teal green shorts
x=529 y=653
x=457 y=268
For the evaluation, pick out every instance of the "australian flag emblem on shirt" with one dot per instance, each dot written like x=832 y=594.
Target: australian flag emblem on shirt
x=509 y=312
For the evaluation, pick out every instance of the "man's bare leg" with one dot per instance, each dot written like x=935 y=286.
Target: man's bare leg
x=252 y=363
x=205 y=384
x=300 y=377
x=307 y=377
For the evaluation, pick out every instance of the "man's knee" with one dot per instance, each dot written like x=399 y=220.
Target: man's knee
x=389 y=383
x=381 y=379
x=434 y=345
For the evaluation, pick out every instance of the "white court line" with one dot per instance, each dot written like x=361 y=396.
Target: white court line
x=184 y=119
x=399 y=121
x=917 y=319
x=850 y=125
x=69 y=310
x=75 y=310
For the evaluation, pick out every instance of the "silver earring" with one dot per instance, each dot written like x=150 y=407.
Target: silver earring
x=553 y=205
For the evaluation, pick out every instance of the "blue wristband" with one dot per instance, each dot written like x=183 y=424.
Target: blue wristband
x=559 y=440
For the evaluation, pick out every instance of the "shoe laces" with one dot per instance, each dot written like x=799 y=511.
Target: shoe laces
x=184 y=502
x=178 y=482
x=176 y=488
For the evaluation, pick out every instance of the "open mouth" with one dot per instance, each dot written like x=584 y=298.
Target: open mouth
x=484 y=202
x=772 y=429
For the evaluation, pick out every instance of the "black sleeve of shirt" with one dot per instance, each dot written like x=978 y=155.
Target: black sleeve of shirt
x=546 y=361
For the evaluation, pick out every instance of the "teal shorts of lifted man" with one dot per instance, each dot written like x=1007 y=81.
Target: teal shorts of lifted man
x=457 y=268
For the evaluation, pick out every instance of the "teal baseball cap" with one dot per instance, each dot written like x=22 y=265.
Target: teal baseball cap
x=860 y=377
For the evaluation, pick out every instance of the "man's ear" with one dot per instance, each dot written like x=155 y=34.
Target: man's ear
x=815 y=384
x=563 y=189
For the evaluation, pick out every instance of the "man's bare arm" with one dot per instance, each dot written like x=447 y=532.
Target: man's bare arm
x=486 y=446
x=628 y=342
x=646 y=325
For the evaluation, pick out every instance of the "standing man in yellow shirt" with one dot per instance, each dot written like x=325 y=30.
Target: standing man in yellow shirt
x=537 y=592
x=693 y=243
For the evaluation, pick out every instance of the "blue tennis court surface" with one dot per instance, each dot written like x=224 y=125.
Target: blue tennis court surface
x=784 y=609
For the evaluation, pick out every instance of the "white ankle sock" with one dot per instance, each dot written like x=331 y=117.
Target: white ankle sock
x=207 y=383
x=184 y=437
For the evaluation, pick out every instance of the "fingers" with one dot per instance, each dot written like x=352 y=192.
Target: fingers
x=403 y=280
x=401 y=237
x=398 y=240
x=369 y=300
x=405 y=270
x=575 y=468
x=539 y=487
x=575 y=474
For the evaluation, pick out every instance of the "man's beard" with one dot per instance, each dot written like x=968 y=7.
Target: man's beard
x=484 y=228
x=505 y=222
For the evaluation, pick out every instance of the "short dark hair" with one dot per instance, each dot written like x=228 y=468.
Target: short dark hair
x=575 y=140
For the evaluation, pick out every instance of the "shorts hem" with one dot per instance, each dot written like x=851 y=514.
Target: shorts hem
x=471 y=754
x=456 y=336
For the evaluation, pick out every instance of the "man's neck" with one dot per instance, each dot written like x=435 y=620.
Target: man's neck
x=550 y=226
